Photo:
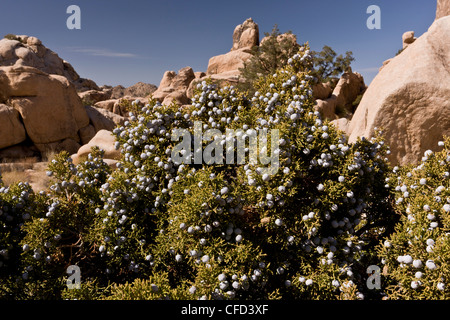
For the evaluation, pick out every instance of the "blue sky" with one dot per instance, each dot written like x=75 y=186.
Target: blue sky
x=123 y=42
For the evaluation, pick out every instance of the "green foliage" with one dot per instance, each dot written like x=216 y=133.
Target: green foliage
x=274 y=52
x=271 y=55
x=399 y=51
x=89 y=290
x=10 y=36
x=18 y=204
x=153 y=288
x=416 y=255
x=59 y=227
x=328 y=65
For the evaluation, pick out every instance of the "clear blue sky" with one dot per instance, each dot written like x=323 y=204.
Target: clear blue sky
x=123 y=42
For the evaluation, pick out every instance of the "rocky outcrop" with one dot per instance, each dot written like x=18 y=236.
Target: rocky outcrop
x=139 y=89
x=102 y=119
x=41 y=101
x=322 y=90
x=173 y=86
x=229 y=62
x=408 y=38
x=49 y=107
x=341 y=124
x=120 y=106
x=12 y=130
x=245 y=35
x=222 y=69
x=385 y=62
x=326 y=108
x=332 y=103
x=28 y=51
x=91 y=97
x=106 y=141
x=110 y=98
x=410 y=97
x=226 y=66
x=349 y=87
x=442 y=8
x=40 y=109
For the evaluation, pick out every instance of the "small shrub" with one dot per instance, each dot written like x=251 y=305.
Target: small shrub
x=416 y=255
x=61 y=230
x=10 y=36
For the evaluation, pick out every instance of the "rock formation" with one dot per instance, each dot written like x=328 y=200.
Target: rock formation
x=28 y=51
x=349 y=87
x=331 y=102
x=410 y=97
x=245 y=35
x=102 y=119
x=91 y=97
x=173 y=86
x=139 y=89
x=408 y=38
x=105 y=140
x=40 y=108
x=442 y=8
x=225 y=67
x=48 y=105
x=12 y=130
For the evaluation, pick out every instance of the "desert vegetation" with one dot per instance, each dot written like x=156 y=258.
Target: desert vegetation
x=153 y=228
x=274 y=52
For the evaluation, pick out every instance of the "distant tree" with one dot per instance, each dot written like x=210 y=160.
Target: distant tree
x=11 y=36
x=327 y=64
x=275 y=51
x=271 y=54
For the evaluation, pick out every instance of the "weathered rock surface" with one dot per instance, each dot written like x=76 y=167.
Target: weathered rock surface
x=341 y=124
x=225 y=67
x=139 y=89
x=350 y=85
x=93 y=96
x=12 y=130
x=410 y=97
x=322 y=90
x=49 y=106
x=40 y=108
x=442 y=8
x=228 y=62
x=87 y=133
x=102 y=119
x=106 y=104
x=327 y=108
x=245 y=35
x=385 y=62
x=22 y=50
x=408 y=38
x=105 y=140
x=173 y=86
